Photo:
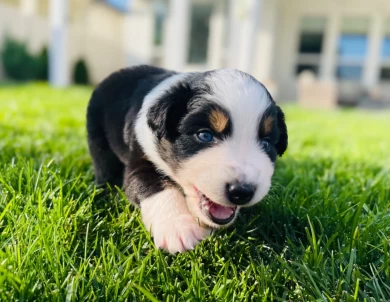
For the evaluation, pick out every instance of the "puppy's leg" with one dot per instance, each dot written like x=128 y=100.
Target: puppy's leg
x=173 y=227
x=164 y=210
x=107 y=167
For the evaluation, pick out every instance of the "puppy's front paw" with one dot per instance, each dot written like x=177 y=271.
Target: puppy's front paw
x=180 y=234
x=173 y=228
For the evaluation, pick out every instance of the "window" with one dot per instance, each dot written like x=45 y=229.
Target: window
x=352 y=48
x=158 y=29
x=160 y=11
x=199 y=36
x=385 y=54
x=310 y=44
x=303 y=67
x=349 y=72
x=385 y=74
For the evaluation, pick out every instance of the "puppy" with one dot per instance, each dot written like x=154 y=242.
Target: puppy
x=189 y=149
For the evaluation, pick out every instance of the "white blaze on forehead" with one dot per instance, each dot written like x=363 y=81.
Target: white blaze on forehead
x=246 y=101
x=237 y=90
x=144 y=134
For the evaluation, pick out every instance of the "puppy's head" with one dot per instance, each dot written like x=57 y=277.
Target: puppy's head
x=218 y=135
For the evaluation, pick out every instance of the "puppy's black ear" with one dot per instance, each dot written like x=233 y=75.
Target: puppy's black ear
x=282 y=143
x=164 y=117
x=156 y=117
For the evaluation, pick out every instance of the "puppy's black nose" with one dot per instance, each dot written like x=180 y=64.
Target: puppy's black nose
x=240 y=193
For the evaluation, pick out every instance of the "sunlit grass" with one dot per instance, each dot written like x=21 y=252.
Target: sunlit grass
x=323 y=233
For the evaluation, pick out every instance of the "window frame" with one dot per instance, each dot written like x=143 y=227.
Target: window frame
x=204 y=10
x=310 y=58
x=356 y=61
x=384 y=59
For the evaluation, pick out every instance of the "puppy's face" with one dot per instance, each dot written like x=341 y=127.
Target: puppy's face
x=218 y=136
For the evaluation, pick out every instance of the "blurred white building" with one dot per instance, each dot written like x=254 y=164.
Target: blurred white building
x=342 y=41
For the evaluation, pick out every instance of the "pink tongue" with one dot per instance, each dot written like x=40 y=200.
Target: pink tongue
x=220 y=212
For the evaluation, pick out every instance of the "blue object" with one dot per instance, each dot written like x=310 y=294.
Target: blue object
x=122 y=5
x=205 y=136
x=353 y=73
x=353 y=46
x=385 y=52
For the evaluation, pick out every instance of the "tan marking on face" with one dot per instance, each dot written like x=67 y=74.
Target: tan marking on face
x=218 y=120
x=267 y=124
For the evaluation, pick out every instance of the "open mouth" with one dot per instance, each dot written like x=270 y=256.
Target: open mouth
x=219 y=214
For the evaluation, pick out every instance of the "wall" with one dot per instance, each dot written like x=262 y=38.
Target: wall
x=96 y=35
x=13 y=23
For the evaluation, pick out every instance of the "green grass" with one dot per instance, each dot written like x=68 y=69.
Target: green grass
x=322 y=234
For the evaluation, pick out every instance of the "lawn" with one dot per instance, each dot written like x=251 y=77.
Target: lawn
x=323 y=233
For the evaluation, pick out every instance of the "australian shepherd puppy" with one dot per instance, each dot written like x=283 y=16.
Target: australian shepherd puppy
x=189 y=149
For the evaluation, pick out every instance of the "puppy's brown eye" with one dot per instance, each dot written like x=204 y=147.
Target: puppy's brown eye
x=205 y=136
x=266 y=143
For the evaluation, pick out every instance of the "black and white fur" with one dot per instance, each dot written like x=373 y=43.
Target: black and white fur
x=144 y=126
